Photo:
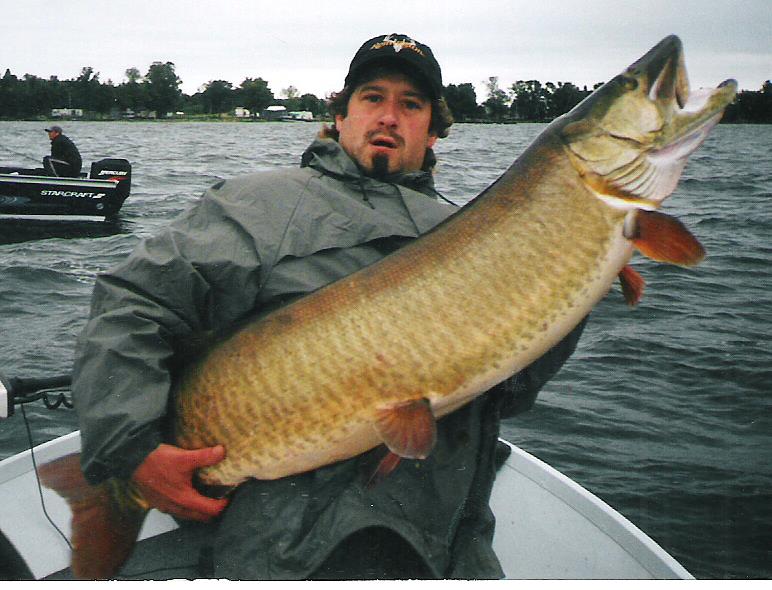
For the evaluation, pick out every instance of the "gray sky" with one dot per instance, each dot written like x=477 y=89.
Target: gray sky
x=309 y=44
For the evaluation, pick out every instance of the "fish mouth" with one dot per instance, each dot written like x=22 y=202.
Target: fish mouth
x=662 y=74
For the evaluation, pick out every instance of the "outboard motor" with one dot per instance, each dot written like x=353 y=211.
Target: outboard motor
x=114 y=169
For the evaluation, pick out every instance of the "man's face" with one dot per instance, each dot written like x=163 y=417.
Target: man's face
x=53 y=135
x=386 y=129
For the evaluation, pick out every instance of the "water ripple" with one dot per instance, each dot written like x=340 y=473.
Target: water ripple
x=664 y=411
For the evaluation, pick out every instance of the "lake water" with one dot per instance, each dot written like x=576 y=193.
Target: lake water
x=664 y=411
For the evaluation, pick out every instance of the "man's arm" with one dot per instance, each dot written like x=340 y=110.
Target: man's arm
x=159 y=297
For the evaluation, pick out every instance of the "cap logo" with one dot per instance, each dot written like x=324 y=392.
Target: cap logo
x=398 y=44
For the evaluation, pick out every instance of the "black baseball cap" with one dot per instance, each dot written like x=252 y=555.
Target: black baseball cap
x=402 y=48
x=54 y=128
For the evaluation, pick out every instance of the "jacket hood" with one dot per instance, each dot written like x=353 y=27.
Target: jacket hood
x=327 y=156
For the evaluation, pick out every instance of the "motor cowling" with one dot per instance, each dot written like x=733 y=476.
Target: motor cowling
x=114 y=169
x=111 y=169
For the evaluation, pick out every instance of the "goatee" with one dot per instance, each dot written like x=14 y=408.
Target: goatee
x=380 y=168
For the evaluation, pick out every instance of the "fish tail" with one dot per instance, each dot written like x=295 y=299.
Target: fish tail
x=105 y=518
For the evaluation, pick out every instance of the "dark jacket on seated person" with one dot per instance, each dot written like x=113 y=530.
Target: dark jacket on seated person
x=65 y=158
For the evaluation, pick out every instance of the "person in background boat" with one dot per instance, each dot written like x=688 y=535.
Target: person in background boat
x=364 y=188
x=65 y=158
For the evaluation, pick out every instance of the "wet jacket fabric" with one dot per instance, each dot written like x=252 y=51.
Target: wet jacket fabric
x=64 y=150
x=252 y=244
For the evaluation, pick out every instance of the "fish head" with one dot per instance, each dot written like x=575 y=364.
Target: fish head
x=631 y=138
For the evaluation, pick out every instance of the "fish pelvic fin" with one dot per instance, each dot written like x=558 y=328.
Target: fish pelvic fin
x=106 y=518
x=664 y=238
x=408 y=428
x=386 y=465
x=632 y=285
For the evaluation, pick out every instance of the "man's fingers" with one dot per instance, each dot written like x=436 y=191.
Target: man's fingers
x=203 y=510
x=191 y=505
x=165 y=480
x=205 y=457
x=185 y=513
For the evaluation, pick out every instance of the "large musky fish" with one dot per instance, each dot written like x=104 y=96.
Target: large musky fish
x=376 y=357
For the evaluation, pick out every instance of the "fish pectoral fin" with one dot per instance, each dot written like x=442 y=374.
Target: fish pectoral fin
x=408 y=428
x=632 y=285
x=664 y=238
x=104 y=528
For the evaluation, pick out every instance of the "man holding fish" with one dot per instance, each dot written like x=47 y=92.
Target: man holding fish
x=250 y=246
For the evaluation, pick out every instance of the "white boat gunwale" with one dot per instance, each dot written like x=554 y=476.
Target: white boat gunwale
x=624 y=550
x=631 y=540
x=105 y=183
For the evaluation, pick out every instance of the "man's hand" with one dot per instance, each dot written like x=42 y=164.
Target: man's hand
x=165 y=479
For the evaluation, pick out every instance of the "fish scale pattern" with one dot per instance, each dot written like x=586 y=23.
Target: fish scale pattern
x=444 y=318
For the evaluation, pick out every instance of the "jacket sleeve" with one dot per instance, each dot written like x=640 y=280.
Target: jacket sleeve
x=141 y=311
x=518 y=394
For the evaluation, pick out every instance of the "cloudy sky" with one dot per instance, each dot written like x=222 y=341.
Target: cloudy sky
x=309 y=44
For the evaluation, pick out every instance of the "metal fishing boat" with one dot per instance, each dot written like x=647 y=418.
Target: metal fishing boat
x=27 y=193
x=547 y=526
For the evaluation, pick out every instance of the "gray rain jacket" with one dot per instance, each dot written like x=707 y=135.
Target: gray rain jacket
x=249 y=245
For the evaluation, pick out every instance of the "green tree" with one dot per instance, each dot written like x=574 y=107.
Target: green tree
x=10 y=95
x=57 y=92
x=462 y=100
x=310 y=102
x=163 y=88
x=33 y=95
x=133 y=76
x=218 y=96
x=496 y=104
x=255 y=94
x=84 y=89
x=565 y=97
x=529 y=101
x=291 y=98
x=751 y=106
x=132 y=93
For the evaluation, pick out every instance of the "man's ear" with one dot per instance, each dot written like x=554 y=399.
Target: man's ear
x=431 y=140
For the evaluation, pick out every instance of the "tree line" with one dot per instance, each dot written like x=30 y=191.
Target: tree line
x=158 y=91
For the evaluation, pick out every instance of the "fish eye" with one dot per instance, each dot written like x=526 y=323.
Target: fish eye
x=629 y=83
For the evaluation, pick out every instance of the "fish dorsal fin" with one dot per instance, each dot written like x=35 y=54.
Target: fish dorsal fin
x=408 y=428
